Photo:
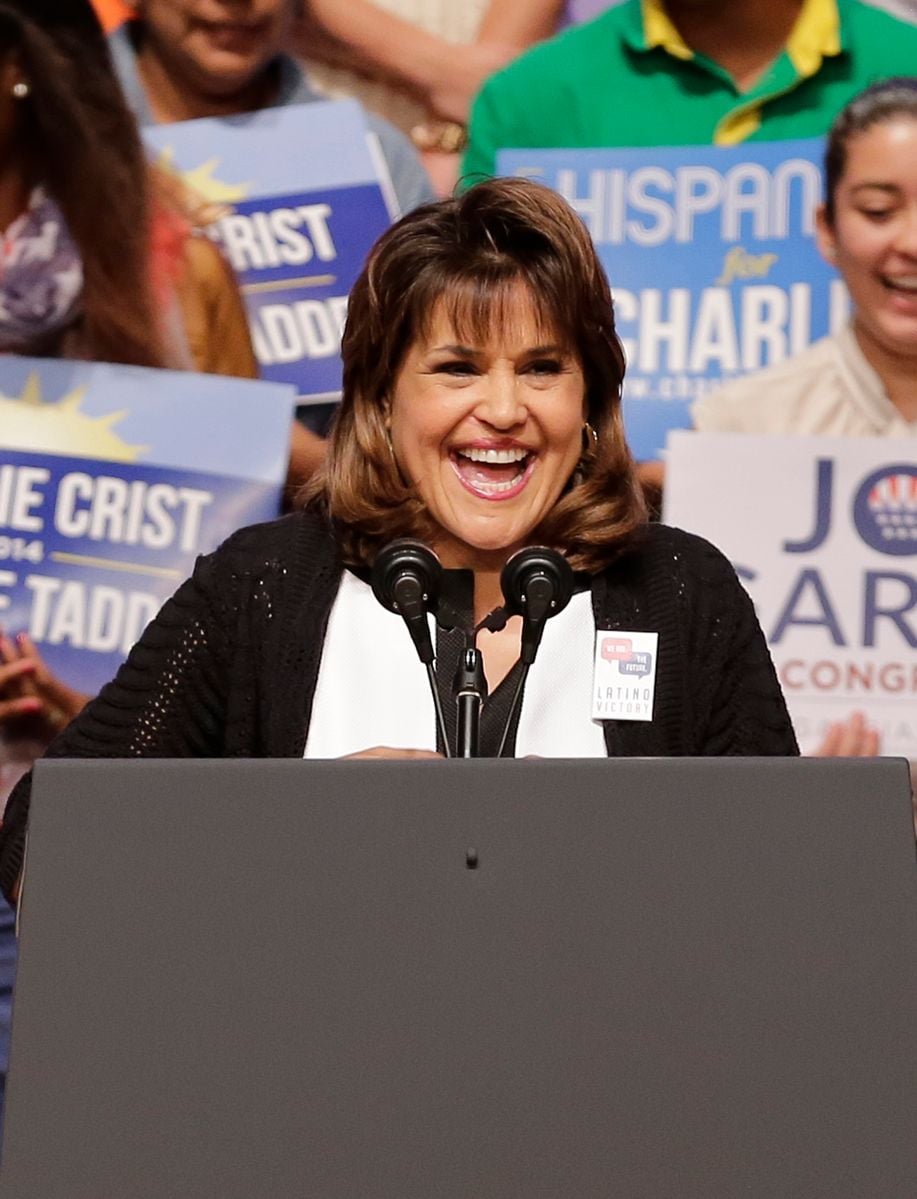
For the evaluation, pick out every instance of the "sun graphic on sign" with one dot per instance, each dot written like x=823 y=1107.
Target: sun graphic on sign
x=209 y=196
x=29 y=424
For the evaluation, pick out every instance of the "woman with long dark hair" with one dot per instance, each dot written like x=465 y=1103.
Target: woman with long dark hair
x=99 y=260
x=76 y=277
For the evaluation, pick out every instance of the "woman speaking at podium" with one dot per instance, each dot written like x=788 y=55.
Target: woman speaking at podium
x=481 y=415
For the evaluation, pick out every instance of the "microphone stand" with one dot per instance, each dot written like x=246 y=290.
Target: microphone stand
x=469 y=689
x=537 y=583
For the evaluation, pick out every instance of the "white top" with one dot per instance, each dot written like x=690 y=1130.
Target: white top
x=829 y=388
x=372 y=688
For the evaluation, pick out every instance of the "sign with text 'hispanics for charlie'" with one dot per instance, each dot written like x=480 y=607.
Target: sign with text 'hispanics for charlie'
x=712 y=260
x=112 y=480
x=823 y=532
x=296 y=197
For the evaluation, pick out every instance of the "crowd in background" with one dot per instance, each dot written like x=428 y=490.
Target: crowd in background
x=448 y=84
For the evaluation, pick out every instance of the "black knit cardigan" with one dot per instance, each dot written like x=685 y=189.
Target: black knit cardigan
x=229 y=666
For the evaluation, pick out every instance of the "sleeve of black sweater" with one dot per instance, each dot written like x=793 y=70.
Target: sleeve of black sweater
x=740 y=708
x=166 y=701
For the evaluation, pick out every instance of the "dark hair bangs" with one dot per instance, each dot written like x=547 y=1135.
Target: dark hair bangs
x=482 y=299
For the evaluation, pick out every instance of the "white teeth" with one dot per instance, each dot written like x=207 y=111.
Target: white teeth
x=905 y=283
x=495 y=457
x=495 y=488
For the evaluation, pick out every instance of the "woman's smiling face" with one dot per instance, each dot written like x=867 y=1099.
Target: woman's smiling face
x=872 y=238
x=488 y=434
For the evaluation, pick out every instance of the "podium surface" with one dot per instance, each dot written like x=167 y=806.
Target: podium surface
x=643 y=979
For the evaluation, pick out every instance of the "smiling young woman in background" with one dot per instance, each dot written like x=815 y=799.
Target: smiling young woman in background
x=862 y=381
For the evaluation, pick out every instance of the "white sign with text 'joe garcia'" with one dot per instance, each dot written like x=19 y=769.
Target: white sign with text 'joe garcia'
x=823 y=532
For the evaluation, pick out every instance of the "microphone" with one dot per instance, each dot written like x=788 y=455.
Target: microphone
x=537 y=584
x=405 y=579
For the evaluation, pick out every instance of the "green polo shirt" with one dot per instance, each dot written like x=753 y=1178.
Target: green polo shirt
x=627 y=79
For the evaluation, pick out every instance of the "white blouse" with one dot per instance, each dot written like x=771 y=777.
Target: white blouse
x=372 y=688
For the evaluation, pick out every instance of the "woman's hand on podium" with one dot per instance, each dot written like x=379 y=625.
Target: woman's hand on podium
x=391 y=753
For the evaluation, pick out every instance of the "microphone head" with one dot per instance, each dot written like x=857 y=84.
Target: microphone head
x=405 y=559
x=545 y=569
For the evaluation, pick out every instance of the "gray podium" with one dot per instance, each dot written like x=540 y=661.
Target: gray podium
x=466 y=980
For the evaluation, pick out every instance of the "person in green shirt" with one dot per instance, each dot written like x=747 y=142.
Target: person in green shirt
x=689 y=72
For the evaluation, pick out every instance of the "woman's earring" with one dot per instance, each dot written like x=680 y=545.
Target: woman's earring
x=387 y=426
x=21 y=89
x=590 y=439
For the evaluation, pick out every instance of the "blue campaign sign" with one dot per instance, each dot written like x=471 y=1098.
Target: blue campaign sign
x=296 y=197
x=712 y=260
x=112 y=480
x=298 y=262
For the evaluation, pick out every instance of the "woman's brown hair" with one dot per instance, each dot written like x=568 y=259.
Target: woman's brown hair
x=471 y=253
x=79 y=140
